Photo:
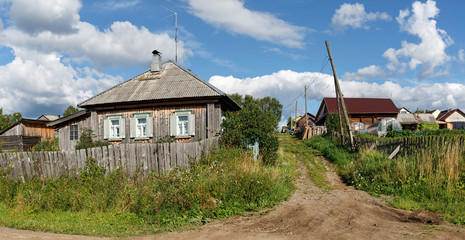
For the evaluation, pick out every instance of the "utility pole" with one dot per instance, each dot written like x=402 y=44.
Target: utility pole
x=306 y=120
x=338 y=91
x=295 y=115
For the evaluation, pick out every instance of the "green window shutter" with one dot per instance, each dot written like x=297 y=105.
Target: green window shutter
x=149 y=127
x=122 y=128
x=132 y=127
x=106 y=128
x=191 y=124
x=173 y=125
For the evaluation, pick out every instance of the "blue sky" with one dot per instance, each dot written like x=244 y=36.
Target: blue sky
x=55 y=53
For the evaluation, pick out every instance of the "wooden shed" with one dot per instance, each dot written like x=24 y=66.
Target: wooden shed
x=167 y=101
x=26 y=133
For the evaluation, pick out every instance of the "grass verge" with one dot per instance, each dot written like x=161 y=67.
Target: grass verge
x=431 y=179
x=227 y=182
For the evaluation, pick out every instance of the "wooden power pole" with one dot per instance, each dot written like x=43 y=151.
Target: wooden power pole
x=306 y=120
x=339 y=96
x=295 y=127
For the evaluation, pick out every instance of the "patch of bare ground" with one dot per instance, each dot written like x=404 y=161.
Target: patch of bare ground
x=310 y=213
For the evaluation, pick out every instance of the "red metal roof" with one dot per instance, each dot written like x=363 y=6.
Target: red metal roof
x=447 y=113
x=363 y=105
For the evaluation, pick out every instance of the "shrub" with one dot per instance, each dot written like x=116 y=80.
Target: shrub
x=86 y=141
x=47 y=145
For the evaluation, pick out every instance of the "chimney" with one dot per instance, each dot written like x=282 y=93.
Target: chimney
x=156 y=62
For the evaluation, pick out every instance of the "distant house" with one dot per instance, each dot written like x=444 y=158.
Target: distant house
x=310 y=120
x=435 y=113
x=25 y=133
x=404 y=110
x=452 y=116
x=47 y=117
x=365 y=110
x=165 y=101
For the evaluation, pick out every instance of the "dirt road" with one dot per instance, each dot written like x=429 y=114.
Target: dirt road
x=310 y=213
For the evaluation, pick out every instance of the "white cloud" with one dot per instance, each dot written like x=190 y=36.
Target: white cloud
x=355 y=16
x=286 y=85
x=462 y=55
x=430 y=52
x=364 y=73
x=34 y=78
x=56 y=16
x=115 y=5
x=234 y=17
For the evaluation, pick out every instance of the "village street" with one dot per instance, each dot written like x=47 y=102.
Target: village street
x=310 y=213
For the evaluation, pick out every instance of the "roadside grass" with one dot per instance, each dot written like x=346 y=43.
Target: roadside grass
x=432 y=178
x=227 y=182
x=297 y=149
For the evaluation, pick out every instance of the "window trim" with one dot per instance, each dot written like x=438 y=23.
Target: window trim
x=107 y=128
x=148 y=126
x=190 y=124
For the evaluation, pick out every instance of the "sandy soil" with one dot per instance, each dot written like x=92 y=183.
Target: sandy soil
x=310 y=213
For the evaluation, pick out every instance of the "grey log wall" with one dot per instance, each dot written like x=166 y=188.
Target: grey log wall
x=139 y=158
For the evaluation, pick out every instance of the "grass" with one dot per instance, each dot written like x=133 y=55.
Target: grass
x=432 y=178
x=227 y=182
x=296 y=149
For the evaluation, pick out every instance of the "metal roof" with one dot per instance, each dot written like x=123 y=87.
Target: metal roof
x=69 y=117
x=444 y=115
x=172 y=82
x=406 y=118
x=363 y=105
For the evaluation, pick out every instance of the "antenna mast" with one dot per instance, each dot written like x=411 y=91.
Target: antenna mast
x=176 y=31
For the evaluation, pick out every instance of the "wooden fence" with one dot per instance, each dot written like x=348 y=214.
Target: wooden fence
x=409 y=144
x=139 y=158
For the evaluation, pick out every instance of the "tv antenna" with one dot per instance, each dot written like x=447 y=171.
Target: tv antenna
x=176 y=30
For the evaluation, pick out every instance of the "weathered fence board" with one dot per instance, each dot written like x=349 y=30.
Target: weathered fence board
x=141 y=158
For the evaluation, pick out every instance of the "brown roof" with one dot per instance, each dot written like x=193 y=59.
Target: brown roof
x=172 y=82
x=363 y=105
x=443 y=115
x=357 y=106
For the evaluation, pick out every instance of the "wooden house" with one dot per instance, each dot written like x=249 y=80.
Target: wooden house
x=26 y=133
x=452 y=119
x=301 y=121
x=364 y=110
x=167 y=101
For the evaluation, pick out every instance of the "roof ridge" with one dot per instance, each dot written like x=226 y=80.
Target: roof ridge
x=197 y=77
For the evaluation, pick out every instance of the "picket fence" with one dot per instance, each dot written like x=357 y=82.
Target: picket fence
x=139 y=158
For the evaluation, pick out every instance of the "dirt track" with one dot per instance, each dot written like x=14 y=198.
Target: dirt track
x=310 y=213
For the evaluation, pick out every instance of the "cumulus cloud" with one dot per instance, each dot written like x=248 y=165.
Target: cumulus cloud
x=364 y=73
x=56 y=16
x=430 y=52
x=122 y=44
x=286 y=85
x=34 y=78
x=234 y=17
x=50 y=46
x=462 y=55
x=355 y=16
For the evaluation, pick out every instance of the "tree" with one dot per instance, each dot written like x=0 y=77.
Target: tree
x=70 y=110
x=257 y=121
x=7 y=119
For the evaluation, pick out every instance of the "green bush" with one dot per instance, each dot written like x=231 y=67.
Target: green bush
x=47 y=145
x=86 y=141
x=428 y=126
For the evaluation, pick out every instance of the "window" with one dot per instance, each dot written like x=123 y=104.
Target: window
x=141 y=126
x=182 y=124
x=114 y=128
x=73 y=132
x=141 y=130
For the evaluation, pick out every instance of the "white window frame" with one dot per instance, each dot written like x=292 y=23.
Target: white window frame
x=134 y=126
x=174 y=124
x=109 y=128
